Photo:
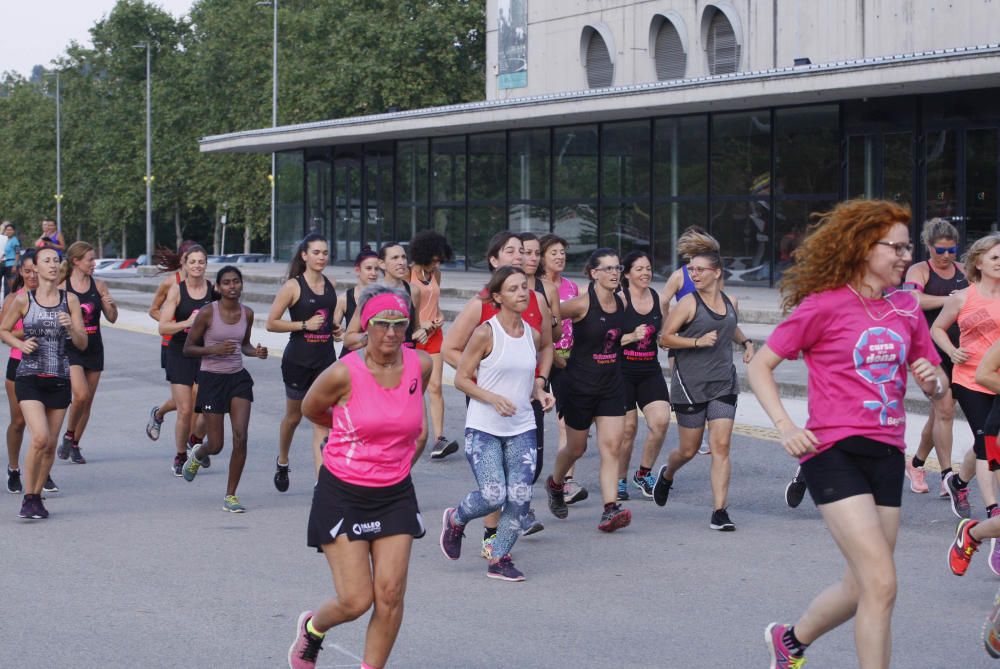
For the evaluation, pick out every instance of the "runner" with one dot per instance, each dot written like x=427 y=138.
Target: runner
x=177 y=315
x=366 y=271
x=645 y=387
x=593 y=390
x=42 y=382
x=854 y=332
x=25 y=279
x=976 y=309
x=497 y=372
x=428 y=249
x=11 y=252
x=311 y=301
x=51 y=238
x=85 y=366
x=700 y=331
x=364 y=513
x=395 y=272
x=936 y=279
x=220 y=336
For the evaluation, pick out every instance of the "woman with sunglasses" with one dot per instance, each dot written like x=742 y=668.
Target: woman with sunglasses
x=935 y=279
x=364 y=513
x=700 y=331
x=858 y=336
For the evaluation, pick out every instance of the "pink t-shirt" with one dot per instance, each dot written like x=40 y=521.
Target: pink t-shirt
x=857 y=355
x=374 y=435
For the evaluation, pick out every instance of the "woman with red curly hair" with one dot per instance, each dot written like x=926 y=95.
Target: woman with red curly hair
x=858 y=336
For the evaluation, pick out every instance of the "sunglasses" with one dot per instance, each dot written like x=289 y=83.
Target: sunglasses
x=945 y=249
x=398 y=325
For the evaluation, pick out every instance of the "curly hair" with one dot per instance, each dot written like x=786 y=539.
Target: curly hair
x=695 y=241
x=427 y=245
x=975 y=254
x=833 y=251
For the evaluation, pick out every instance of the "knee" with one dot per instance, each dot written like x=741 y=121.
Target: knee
x=293 y=418
x=356 y=604
x=945 y=412
x=629 y=434
x=494 y=495
x=17 y=424
x=390 y=594
x=434 y=386
x=40 y=442
x=880 y=587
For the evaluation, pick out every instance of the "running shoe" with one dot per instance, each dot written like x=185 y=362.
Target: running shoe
x=153 y=424
x=191 y=467
x=530 y=524
x=281 y=476
x=206 y=461
x=302 y=654
x=29 y=510
x=178 y=467
x=75 y=456
x=782 y=656
x=705 y=449
x=720 y=521
x=50 y=485
x=63 y=451
x=661 y=489
x=504 y=570
x=573 y=491
x=40 y=509
x=487 y=551
x=916 y=477
x=615 y=518
x=232 y=504
x=994 y=556
x=991 y=630
x=963 y=548
x=943 y=494
x=14 y=481
x=644 y=483
x=622 y=490
x=443 y=448
x=795 y=491
x=451 y=535
x=557 y=498
x=959 y=498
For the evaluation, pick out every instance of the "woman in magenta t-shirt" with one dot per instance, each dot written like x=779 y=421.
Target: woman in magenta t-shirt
x=858 y=337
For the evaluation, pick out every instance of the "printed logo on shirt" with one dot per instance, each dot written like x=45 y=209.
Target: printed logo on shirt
x=608 y=355
x=877 y=357
x=374 y=527
x=413 y=386
x=321 y=336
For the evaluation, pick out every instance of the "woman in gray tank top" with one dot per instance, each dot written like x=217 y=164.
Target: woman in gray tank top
x=42 y=382
x=220 y=336
x=700 y=331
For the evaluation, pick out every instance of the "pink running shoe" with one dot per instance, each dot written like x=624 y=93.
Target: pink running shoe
x=781 y=655
x=305 y=648
x=917 y=478
x=994 y=555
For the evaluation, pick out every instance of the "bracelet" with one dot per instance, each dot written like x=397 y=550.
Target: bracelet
x=745 y=342
x=696 y=342
x=543 y=378
x=303 y=326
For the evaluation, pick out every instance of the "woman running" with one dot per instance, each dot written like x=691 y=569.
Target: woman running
x=42 y=383
x=645 y=388
x=364 y=513
x=700 y=331
x=976 y=309
x=935 y=279
x=553 y=264
x=177 y=315
x=858 y=337
x=85 y=366
x=395 y=272
x=366 y=271
x=25 y=279
x=497 y=372
x=220 y=336
x=428 y=249
x=593 y=390
x=311 y=301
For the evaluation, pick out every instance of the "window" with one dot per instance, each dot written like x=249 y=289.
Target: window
x=575 y=160
x=529 y=177
x=448 y=195
x=600 y=69
x=625 y=172
x=668 y=52
x=289 y=203
x=721 y=45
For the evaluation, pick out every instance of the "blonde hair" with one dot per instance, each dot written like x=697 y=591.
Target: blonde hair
x=938 y=228
x=75 y=252
x=694 y=241
x=975 y=253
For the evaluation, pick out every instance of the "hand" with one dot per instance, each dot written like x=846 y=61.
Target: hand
x=748 y=354
x=315 y=323
x=559 y=362
x=29 y=345
x=437 y=323
x=960 y=356
x=503 y=406
x=640 y=332
x=708 y=340
x=798 y=441
x=925 y=374
x=546 y=398
x=107 y=300
x=224 y=348
x=338 y=331
x=260 y=352
x=420 y=336
x=64 y=320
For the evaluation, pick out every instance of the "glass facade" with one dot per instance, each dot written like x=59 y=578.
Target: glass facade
x=752 y=178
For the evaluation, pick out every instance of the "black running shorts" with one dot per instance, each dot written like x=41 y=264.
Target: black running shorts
x=90 y=360
x=51 y=391
x=216 y=391
x=856 y=466
x=298 y=379
x=181 y=370
x=12 y=364
x=644 y=388
x=583 y=402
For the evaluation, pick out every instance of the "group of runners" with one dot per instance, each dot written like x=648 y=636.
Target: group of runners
x=530 y=342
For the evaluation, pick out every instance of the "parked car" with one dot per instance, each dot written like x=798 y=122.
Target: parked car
x=126 y=267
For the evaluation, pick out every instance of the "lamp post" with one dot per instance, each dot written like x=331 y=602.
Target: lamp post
x=274 y=109
x=59 y=194
x=148 y=178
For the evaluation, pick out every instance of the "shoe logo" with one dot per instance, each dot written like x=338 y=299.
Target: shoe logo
x=367 y=528
x=413 y=386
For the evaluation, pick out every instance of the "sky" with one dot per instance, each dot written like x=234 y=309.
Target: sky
x=33 y=32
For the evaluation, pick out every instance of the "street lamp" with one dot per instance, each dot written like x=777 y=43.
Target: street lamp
x=274 y=106
x=59 y=194
x=148 y=178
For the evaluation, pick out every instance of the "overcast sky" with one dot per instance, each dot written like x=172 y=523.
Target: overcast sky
x=33 y=32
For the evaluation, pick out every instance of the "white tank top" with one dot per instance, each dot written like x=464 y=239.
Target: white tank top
x=509 y=371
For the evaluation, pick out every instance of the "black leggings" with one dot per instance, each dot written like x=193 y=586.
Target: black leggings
x=976 y=406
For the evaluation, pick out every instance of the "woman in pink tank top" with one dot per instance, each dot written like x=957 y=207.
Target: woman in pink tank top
x=25 y=279
x=364 y=513
x=220 y=336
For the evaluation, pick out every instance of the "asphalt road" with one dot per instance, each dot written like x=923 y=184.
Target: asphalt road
x=138 y=568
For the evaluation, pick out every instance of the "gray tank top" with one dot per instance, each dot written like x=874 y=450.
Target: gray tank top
x=220 y=331
x=42 y=323
x=706 y=373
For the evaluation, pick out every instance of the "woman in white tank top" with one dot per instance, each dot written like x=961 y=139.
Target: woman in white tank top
x=497 y=372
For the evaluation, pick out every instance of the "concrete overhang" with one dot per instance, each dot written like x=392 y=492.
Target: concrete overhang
x=919 y=73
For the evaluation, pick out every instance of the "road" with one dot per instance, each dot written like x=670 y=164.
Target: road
x=138 y=568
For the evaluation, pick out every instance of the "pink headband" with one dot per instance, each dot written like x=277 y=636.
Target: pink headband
x=383 y=302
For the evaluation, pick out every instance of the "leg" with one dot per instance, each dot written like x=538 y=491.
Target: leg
x=184 y=400
x=687 y=447
x=519 y=470
x=390 y=562
x=657 y=416
x=350 y=563
x=81 y=396
x=166 y=408
x=91 y=378
x=943 y=412
x=609 y=442
x=215 y=436
x=628 y=440
x=719 y=438
x=435 y=399
x=927 y=435
x=239 y=420
x=38 y=461
x=485 y=454
x=985 y=477
x=291 y=420
x=15 y=429
x=576 y=446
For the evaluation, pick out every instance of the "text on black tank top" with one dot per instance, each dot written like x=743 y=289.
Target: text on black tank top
x=941 y=287
x=597 y=338
x=90 y=308
x=187 y=307
x=41 y=323
x=307 y=348
x=641 y=355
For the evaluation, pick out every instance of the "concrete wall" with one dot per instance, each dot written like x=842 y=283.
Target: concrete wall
x=772 y=33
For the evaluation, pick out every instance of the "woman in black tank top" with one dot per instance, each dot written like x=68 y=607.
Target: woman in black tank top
x=176 y=317
x=311 y=302
x=86 y=365
x=395 y=270
x=594 y=389
x=366 y=269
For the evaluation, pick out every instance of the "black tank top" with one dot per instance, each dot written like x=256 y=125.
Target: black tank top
x=540 y=289
x=597 y=341
x=940 y=287
x=90 y=308
x=352 y=306
x=640 y=356
x=186 y=308
x=408 y=339
x=313 y=350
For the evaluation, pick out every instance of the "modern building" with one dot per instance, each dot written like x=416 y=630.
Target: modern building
x=618 y=123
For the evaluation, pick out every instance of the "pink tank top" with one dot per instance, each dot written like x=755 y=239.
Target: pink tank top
x=219 y=332
x=567 y=291
x=374 y=435
x=15 y=353
x=979 y=327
